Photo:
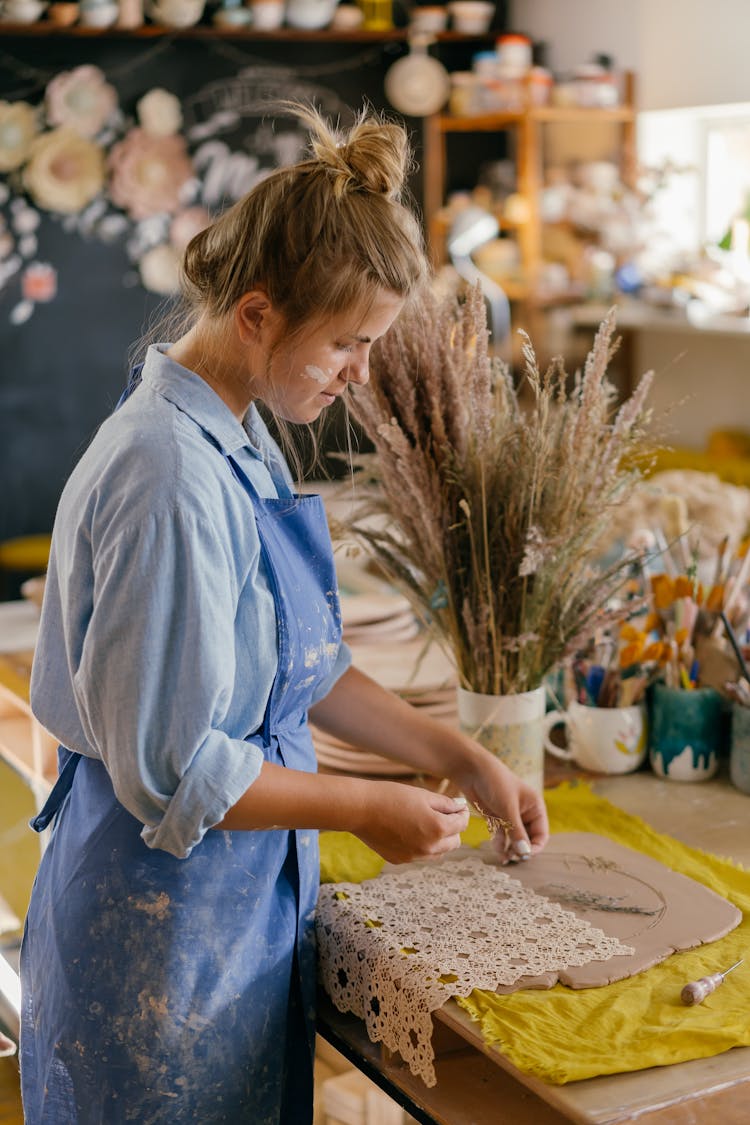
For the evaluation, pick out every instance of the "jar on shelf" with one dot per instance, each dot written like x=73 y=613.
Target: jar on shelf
x=464 y=93
x=539 y=83
x=514 y=52
x=378 y=14
x=594 y=86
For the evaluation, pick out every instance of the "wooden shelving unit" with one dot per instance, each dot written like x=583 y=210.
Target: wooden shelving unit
x=526 y=129
x=25 y=744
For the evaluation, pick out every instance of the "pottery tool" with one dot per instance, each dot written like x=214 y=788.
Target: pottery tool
x=697 y=990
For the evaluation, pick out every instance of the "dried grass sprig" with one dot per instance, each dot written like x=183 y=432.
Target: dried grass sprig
x=488 y=509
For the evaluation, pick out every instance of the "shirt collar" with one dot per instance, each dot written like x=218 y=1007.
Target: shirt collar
x=194 y=397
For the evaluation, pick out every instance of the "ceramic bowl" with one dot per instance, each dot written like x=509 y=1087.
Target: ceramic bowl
x=23 y=11
x=267 y=15
x=175 y=13
x=98 y=15
x=232 y=17
x=310 y=15
x=347 y=17
x=471 y=17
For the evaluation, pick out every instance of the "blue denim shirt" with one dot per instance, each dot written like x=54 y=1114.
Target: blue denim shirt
x=157 y=640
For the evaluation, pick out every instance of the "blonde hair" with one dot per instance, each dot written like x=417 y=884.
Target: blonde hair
x=319 y=236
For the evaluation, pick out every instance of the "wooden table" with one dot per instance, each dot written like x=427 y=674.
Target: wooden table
x=478 y=1086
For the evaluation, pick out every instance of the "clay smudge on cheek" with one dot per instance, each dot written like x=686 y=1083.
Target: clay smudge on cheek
x=316 y=374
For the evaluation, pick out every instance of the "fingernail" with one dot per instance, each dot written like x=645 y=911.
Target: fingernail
x=522 y=848
x=460 y=802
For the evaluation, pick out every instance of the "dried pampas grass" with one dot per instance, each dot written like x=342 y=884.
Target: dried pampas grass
x=486 y=510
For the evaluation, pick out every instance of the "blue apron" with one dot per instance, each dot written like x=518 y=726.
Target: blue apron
x=164 y=990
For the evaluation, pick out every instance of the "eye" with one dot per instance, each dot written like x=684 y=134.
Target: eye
x=345 y=347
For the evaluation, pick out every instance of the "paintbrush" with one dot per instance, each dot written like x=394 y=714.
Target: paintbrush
x=735 y=645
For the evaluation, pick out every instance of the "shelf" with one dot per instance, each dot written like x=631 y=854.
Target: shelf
x=508 y=119
x=528 y=153
x=48 y=29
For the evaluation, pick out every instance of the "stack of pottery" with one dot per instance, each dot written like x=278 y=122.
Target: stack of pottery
x=386 y=643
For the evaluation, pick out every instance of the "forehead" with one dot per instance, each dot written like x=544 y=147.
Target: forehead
x=365 y=321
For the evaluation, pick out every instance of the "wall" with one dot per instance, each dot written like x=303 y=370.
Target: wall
x=684 y=52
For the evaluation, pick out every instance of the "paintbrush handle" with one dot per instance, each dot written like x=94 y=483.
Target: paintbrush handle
x=739 y=582
x=735 y=646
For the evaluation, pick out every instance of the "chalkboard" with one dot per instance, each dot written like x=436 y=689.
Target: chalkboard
x=62 y=369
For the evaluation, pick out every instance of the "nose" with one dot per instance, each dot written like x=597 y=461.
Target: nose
x=358 y=370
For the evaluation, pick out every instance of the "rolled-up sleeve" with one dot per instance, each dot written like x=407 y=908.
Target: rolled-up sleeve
x=157 y=675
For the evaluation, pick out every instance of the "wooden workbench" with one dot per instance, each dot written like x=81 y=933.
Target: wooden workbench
x=478 y=1086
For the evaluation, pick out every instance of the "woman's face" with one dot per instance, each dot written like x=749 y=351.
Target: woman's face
x=308 y=372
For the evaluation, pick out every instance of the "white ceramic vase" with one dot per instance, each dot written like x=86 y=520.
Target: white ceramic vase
x=510 y=726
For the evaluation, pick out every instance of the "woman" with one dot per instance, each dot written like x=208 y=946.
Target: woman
x=190 y=624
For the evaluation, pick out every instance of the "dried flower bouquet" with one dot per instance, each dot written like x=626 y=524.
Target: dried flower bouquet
x=487 y=511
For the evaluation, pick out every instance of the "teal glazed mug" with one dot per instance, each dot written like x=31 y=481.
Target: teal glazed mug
x=684 y=732
x=739 y=754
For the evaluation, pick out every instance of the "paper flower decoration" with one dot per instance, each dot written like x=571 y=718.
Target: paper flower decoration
x=65 y=171
x=18 y=127
x=82 y=99
x=148 y=173
x=39 y=282
x=159 y=270
x=159 y=113
x=186 y=225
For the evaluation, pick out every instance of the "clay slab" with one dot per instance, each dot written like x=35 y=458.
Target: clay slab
x=626 y=894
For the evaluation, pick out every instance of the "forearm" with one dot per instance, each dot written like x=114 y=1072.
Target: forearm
x=284 y=798
x=358 y=710
x=401 y=822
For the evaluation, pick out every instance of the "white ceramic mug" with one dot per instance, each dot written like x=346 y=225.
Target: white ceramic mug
x=603 y=739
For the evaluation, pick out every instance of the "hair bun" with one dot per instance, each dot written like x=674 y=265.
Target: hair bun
x=376 y=152
x=373 y=155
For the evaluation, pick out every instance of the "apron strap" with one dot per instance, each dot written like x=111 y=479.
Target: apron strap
x=134 y=378
x=60 y=790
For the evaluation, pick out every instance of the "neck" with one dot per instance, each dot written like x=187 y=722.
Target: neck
x=217 y=364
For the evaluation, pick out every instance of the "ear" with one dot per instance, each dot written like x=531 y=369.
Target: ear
x=254 y=315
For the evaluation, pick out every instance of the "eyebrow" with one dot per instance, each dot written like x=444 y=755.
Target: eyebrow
x=359 y=339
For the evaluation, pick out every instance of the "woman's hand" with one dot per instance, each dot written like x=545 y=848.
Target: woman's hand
x=404 y=823
x=497 y=792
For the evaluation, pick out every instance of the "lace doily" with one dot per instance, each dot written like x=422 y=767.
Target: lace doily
x=393 y=950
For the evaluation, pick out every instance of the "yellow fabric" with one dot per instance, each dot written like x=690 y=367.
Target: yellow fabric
x=733 y=469
x=27 y=553
x=562 y=1034
x=728 y=443
x=15 y=681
